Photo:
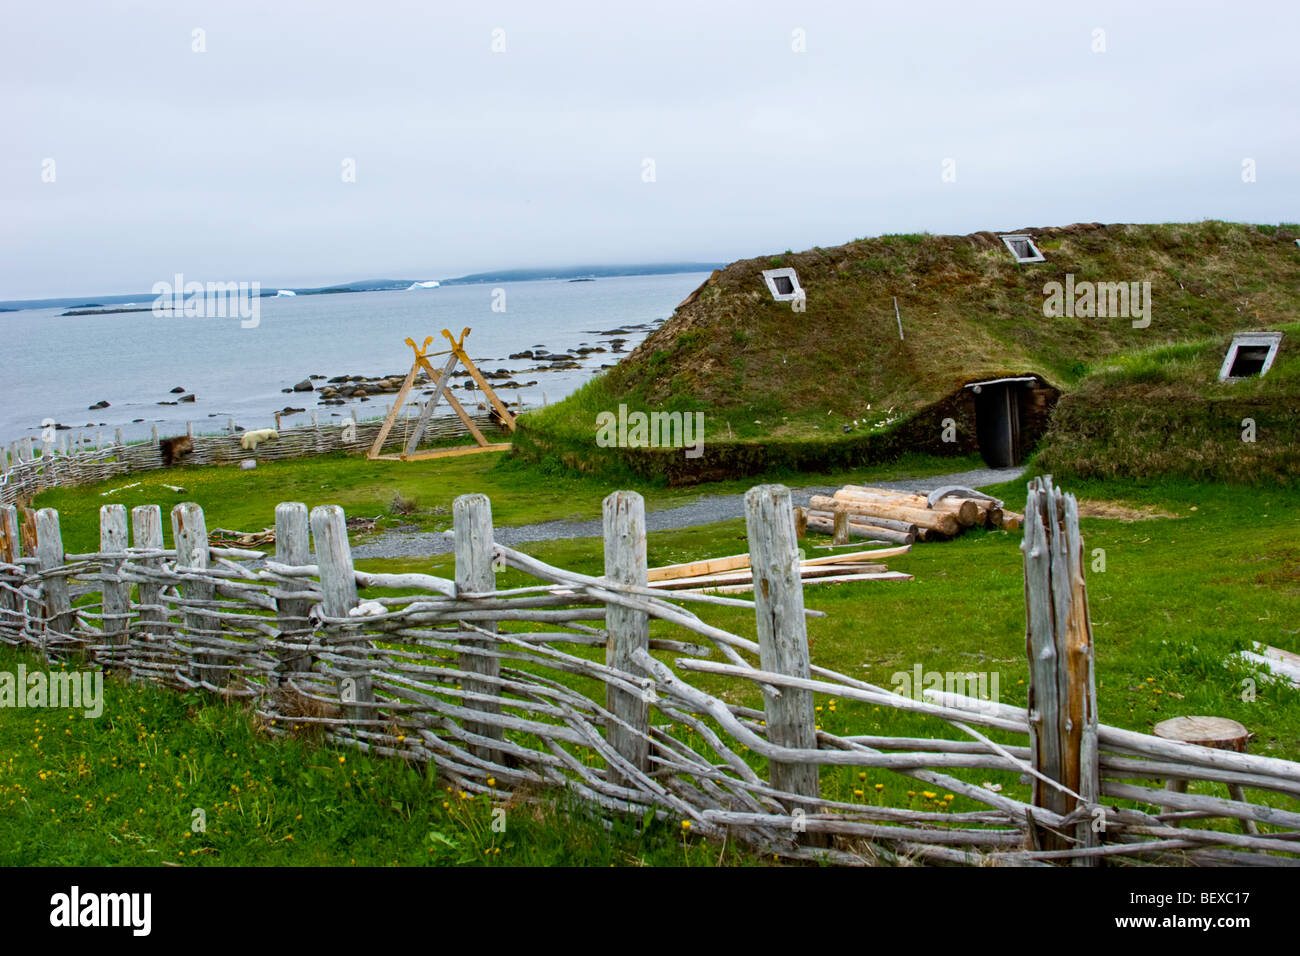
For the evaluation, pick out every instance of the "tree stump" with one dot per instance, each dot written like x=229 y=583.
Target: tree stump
x=1221 y=733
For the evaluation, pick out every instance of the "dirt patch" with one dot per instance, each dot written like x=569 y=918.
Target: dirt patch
x=1118 y=512
x=1286 y=577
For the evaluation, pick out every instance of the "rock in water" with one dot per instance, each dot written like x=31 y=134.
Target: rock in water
x=304 y=386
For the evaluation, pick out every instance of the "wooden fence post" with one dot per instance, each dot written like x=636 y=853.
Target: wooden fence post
x=338 y=582
x=1058 y=638
x=190 y=532
x=116 y=608
x=629 y=630
x=782 y=632
x=11 y=605
x=293 y=547
x=472 y=520
x=147 y=533
x=58 y=616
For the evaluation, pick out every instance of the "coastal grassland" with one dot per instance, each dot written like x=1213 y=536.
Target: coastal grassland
x=1164 y=411
x=418 y=494
x=1178 y=596
x=121 y=790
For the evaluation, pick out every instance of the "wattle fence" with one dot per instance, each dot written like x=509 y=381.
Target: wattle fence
x=28 y=468
x=582 y=683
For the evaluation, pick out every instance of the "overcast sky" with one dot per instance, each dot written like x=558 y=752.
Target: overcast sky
x=229 y=164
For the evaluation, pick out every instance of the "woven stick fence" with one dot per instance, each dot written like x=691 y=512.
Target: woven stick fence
x=579 y=683
x=26 y=468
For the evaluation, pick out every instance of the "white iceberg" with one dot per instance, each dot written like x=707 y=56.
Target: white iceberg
x=430 y=284
x=286 y=292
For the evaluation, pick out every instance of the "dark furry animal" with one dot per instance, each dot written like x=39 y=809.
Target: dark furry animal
x=174 y=449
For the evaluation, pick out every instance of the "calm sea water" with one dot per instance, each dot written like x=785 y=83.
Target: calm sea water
x=59 y=366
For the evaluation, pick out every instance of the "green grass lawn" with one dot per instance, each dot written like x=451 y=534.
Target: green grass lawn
x=128 y=788
x=1178 y=596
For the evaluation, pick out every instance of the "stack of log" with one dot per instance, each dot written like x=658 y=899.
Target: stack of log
x=879 y=514
x=733 y=574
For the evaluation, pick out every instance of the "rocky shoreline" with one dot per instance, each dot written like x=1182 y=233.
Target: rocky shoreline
x=345 y=389
x=342 y=389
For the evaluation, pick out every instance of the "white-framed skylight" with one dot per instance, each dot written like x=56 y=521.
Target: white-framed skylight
x=1250 y=354
x=1023 y=248
x=783 y=284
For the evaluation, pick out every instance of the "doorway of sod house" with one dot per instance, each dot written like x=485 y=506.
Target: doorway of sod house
x=997 y=422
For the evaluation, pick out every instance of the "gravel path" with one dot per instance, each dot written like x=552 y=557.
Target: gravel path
x=414 y=544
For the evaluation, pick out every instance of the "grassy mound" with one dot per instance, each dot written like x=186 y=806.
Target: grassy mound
x=835 y=386
x=1164 y=412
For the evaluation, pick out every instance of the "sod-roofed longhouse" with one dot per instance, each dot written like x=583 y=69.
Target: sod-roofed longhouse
x=802 y=359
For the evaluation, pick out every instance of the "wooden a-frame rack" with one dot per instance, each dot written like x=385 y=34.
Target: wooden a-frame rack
x=441 y=389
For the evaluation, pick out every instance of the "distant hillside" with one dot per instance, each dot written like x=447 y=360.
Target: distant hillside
x=780 y=387
x=390 y=285
x=575 y=272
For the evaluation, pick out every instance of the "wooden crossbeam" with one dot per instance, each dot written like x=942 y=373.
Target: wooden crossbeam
x=442 y=388
x=440 y=384
x=397 y=407
x=470 y=367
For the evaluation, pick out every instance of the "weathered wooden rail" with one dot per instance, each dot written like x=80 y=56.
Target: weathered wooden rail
x=28 y=468
x=488 y=684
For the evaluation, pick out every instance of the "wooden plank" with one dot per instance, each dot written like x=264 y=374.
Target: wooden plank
x=736 y=561
x=447 y=452
x=629 y=630
x=472 y=523
x=113 y=539
x=832 y=579
x=873 y=555
x=696 y=568
x=745 y=575
x=782 y=636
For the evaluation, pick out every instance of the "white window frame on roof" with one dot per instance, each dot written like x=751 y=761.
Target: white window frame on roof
x=771 y=275
x=1019 y=237
x=1269 y=340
